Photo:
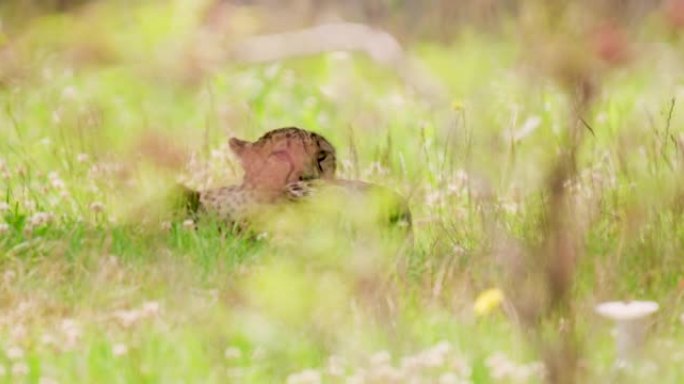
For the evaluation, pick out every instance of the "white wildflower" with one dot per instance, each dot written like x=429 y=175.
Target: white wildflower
x=335 y=366
x=69 y=93
x=307 y=376
x=410 y=364
x=454 y=188
x=386 y=374
x=258 y=353
x=30 y=205
x=127 y=318
x=272 y=71
x=8 y=276
x=39 y=218
x=232 y=353
x=434 y=198
x=216 y=154
x=461 y=366
x=119 y=349
x=527 y=128
x=510 y=207
x=461 y=176
x=449 y=378
x=380 y=358
x=150 y=308
x=357 y=378
x=396 y=100
x=55 y=181
x=48 y=339
x=96 y=207
x=442 y=348
x=72 y=333
x=435 y=356
x=20 y=369
x=14 y=353
x=18 y=332
x=500 y=367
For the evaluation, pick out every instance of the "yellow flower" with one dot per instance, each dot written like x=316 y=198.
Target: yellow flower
x=457 y=105
x=488 y=301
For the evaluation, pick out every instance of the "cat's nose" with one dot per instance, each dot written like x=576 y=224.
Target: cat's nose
x=306 y=177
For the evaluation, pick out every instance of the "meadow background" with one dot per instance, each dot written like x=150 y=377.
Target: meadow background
x=540 y=145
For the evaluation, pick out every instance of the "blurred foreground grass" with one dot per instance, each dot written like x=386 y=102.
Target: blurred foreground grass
x=104 y=110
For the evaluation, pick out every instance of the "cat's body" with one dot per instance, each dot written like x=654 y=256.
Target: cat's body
x=288 y=166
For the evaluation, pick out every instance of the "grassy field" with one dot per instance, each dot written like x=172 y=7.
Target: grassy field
x=102 y=112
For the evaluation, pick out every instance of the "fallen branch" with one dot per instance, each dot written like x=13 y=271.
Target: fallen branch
x=379 y=45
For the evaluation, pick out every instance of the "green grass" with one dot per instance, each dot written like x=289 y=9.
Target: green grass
x=107 y=286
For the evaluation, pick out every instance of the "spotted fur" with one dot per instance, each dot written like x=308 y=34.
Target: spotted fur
x=397 y=212
x=309 y=155
x=278 y=166
x=288 y=165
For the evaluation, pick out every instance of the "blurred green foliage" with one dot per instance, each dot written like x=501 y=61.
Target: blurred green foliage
x=99 y=284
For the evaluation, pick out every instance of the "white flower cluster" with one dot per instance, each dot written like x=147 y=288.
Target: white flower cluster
x=502 y=368
x=37 y=220
x=437 y=364
x=128 y=318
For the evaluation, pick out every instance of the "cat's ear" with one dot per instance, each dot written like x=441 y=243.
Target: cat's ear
x=238 y=146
